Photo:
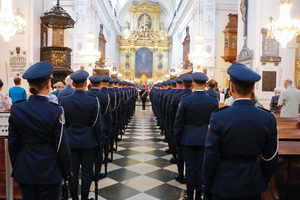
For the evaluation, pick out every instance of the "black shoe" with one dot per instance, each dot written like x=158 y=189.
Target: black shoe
x=161 y=132
x=119 y=139
x=109 y=160
x=173 y=160
x=101 y=176
x=168 y=151
x=179 y=179
x=165 y=140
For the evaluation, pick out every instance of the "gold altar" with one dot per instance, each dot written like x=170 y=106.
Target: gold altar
x=144 y=47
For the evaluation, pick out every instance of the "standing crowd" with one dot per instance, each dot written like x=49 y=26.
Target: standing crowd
x=49 y=142
x=227 y=154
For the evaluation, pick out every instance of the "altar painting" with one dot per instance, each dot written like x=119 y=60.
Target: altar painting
x=144 y=62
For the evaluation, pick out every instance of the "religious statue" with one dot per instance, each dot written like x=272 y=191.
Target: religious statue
x=243 y=10
x=126 y=33
x=162 y=25
x=127 y=25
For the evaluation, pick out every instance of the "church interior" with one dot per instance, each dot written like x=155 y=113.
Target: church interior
x=148 y=42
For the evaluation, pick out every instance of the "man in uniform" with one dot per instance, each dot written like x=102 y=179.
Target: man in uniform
x=186 y=80
x=167 y=109
x=237 y=136
x=84 y=131
x=113 y=102
x=163 y=113
x=191 y=125
x=212 y=84
x=104 y=101
x=143 y=94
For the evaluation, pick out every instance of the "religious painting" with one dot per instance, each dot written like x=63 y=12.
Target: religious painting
x=143 y=62
x=145 y=21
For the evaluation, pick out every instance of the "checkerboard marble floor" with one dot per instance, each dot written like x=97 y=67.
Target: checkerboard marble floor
x=141 y=169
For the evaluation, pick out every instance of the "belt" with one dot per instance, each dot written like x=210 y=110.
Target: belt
x=78 y=126
x=197 y=125
x=38 y=145
x=238 y=159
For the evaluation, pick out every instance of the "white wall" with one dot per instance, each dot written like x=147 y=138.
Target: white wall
x=258 y=17
x=30 y=41
x=189 y=16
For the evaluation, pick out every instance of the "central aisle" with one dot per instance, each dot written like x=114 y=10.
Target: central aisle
x=141 y=169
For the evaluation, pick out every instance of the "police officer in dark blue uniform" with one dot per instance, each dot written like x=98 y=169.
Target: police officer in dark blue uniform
x=84 y=130
x=113 y=102
x=167 y=109
x=191 y=125
x=143 y=94
x=38 y=145
x=238 y=135
x=107 y=120
x=186 y=80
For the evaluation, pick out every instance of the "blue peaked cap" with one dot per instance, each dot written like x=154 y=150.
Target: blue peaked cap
x=242 y=75
x=79 y=76
x=39 y=72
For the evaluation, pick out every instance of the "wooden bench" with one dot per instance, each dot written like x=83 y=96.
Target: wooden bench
x=285 y=183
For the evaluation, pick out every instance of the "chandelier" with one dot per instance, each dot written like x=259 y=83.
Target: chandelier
x=9 y=24
x=89 y=55
x=199 y=56
x=284 y=29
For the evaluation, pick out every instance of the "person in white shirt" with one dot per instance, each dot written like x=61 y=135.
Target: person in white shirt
x=289 y=100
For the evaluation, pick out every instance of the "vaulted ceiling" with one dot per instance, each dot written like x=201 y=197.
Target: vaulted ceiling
x=167 y=7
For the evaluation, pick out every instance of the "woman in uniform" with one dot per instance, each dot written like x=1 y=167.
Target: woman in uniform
x=38 y=148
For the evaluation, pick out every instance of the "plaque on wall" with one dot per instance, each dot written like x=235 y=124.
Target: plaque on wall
x=268 y=81
x=4 y=123
x=270 y=49
x=17 y=62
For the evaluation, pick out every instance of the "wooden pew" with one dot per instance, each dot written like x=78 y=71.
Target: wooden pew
x=285 y=183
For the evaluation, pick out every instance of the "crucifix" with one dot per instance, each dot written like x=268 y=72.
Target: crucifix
x=244 y=11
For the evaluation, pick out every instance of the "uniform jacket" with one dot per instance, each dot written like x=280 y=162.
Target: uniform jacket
x=37 y=121
x=145 y=95
x=83 y=120
x=67 y=90
x=192 y=118
x=105 y=106
x=213 y=93
x=238 y=132
x=113 y=102
x=174 y=105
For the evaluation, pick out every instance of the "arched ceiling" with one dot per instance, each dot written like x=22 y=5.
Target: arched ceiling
x=167 y=7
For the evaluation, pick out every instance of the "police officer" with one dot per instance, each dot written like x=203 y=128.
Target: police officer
x=184 y=85
x=143 y=94
x=113 y=103
x=107 y=120
x=84 y=130
x=37 y=141
x=191 y=125
x=237 y=136
x=167 y=109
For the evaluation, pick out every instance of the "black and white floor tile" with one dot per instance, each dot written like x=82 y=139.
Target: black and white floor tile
x=141 y=169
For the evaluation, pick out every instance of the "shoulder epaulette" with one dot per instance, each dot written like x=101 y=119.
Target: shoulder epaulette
x=55 y=104
x=264 y=109
x=186 y=95
x=91 y=95
x=20 y=101
x=221 y=108
x=67 y=95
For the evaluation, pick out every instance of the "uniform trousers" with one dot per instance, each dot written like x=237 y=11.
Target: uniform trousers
x=85 y=158
x=39 y=192
x=100 y=154
x=193 y=158
x=180 y=162
x=255 y=197
x=172 y=142
x=144 y=103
